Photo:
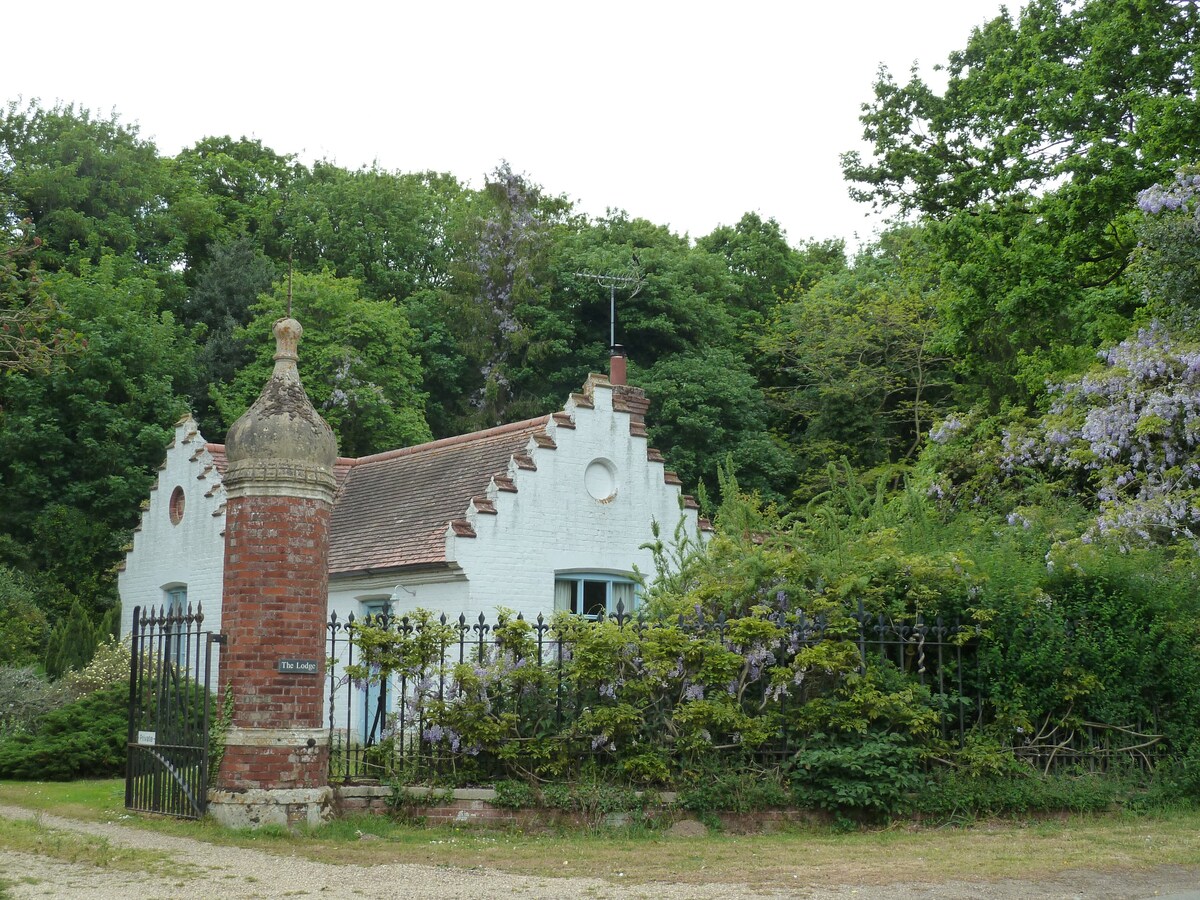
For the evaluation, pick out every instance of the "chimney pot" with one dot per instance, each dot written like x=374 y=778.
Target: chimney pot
x=616 y=369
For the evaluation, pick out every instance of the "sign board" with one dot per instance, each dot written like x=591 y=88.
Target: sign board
x=147 y=738
x=297 y=666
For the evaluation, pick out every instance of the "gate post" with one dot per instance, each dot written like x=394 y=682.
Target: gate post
x=279 y=487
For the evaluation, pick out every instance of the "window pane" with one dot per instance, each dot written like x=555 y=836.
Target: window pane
x=595 y=597
x=622 y=592
x=564 y=596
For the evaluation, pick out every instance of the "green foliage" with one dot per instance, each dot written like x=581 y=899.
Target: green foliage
x=860 y=368
x=593 y=798
x=738 y=788
x=230 y=281
x=237 y=191
x=109 y=665
x=707 y=403
x=77 y=446
x=764 y=267
x=33 y=337
x=1026 y=167
x=356 y=363
x=72 y=643
x=392 y=232
x=82 y=739
x=23 y=625
x=953 y=795
x=90 y=184
x=25 y=696
x=871 y=775
x=512 y=794
x=218 y=732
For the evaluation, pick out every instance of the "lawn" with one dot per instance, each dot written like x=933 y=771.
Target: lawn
x=997 y=849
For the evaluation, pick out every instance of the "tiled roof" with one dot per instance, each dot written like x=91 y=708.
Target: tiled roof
x=394 y=507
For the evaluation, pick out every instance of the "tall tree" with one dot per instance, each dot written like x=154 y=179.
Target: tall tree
x=78 y=445
x=33 y=335
x=395 y=233
x=90 y=185
x=244 y=185
x=862 y=369
x=357 y=363
x=219 y=305
x=761 y=263
x=1027 y=164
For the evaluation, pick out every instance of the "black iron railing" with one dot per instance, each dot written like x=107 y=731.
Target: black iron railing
x=389 y=693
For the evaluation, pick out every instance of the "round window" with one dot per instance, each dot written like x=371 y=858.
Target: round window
x=600 y=480
x=176 y=505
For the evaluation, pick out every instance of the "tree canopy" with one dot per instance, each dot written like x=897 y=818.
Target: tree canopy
x=1045 y=207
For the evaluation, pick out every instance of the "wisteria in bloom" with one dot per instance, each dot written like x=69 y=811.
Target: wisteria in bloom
x=1179 y=194
x=435 y=733
x=1135 y=426
x=946 y=429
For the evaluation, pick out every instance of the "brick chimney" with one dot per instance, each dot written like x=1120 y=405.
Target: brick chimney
x=279 y=488
x=616 y=365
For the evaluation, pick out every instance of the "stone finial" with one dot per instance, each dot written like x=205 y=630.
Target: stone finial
x=281 y=446
x=287 y=340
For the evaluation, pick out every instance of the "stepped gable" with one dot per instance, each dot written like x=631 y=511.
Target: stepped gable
x=393 y=508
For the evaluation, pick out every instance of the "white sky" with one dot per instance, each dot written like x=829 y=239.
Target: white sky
x=685 y=113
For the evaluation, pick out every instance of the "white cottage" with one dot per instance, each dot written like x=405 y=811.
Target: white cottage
x=541 y=515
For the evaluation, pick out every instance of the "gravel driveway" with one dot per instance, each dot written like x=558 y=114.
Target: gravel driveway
x=214 y=872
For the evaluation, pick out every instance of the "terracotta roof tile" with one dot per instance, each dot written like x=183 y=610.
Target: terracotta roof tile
x=393 y=508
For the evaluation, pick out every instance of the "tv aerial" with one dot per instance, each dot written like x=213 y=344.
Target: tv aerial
x=612 y=282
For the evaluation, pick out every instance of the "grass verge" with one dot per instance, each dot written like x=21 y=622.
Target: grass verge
x=34 y=837
x=990 y=850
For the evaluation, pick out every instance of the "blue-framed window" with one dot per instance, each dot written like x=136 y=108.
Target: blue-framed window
x=377 y=701
x=591 y=593
x=176 y=603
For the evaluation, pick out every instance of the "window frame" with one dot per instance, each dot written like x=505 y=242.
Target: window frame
x=175 y=605
x=608 y=579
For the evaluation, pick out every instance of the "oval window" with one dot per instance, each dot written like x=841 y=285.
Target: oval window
x=176 y=505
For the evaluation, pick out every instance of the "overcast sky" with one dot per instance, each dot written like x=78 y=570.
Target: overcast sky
x=685 y=113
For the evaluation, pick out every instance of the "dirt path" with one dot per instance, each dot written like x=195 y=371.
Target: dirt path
x=195 y=869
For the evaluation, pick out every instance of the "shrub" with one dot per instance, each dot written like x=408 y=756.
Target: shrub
x=109 y=666
x=25 y=696
x=955 y=794
x=736 y=788
x=23 y=625
x=868 y=776
x=82 y=739
x=72 y=642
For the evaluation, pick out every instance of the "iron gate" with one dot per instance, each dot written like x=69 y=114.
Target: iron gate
x=166 y=768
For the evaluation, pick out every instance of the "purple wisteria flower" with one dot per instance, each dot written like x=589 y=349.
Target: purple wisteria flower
x=1134 y=426
x=946 y=429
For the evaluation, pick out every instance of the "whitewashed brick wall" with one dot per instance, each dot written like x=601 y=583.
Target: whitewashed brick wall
x=552 y=524
x=190 y=553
